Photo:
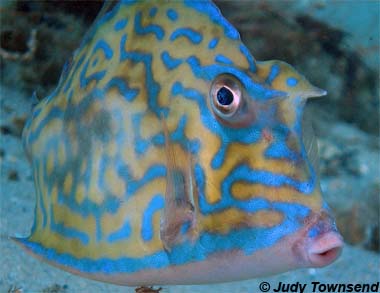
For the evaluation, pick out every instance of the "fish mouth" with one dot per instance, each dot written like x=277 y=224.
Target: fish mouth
x=324 y=249
x=323 y=243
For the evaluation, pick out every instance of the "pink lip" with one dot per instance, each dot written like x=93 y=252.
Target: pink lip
x=324 y=249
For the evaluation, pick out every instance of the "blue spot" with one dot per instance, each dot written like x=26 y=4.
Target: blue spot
x=291 y=81
x=128 y=93
x=149 y=29
x=152 y=11
x=154 y=205
x=172 y=14
x=122 y=234
x=213 y=43
x=223 y=59
x=120 y=24
x=192 y=35
x=248 y=55
x=215 y=16
x=274 y=72
x=169 y=61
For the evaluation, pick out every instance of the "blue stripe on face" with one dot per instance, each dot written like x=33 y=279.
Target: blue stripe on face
x=157 y=203
x=215 y=16
x=172 y=14
x=149 y=29
x=246 y=174
x=192 y=35
x=249 y=240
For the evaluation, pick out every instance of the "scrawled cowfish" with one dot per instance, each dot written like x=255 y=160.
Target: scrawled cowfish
x=168 y=155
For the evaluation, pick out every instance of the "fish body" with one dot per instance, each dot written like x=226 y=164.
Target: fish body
x=168 y=155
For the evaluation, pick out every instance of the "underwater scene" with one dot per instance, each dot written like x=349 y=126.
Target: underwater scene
x=189 y=146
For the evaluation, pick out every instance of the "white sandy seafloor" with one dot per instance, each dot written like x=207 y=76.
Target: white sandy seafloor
x=21 y=271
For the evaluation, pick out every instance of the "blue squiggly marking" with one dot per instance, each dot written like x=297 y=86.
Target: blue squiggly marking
x=274 y=72
x=250 y=59
x=85 y=80
x=169 y=61
x=128 y=93
x=192 y=35
x=152 y=86
x=103 y=45
x=133 y=185
x=141 y=145
x=149 y=29
x=244 y=173
x=122 y=234
x=156 y=203
x=227 y=135
x=206 y=245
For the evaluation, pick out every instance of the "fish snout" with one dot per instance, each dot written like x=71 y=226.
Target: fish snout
x=324 y=243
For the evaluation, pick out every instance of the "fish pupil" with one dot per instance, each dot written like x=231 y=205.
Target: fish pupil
x=224 y=96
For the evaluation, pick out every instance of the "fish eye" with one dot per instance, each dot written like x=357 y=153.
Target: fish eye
x=226 y=95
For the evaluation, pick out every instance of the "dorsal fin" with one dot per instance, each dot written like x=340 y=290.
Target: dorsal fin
x=178 y=220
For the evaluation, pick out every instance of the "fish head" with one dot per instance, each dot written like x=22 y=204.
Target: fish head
x=257 y=171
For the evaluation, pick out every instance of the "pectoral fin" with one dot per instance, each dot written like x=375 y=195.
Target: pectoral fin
x=178 y=220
